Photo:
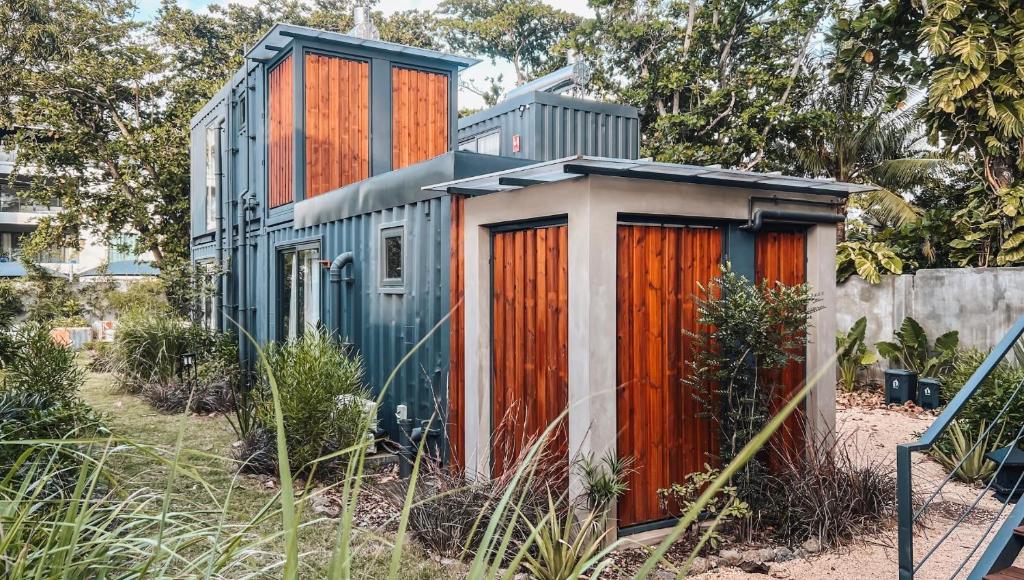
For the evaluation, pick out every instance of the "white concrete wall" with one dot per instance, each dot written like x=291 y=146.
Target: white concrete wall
x=592 y=205
x=980 y=303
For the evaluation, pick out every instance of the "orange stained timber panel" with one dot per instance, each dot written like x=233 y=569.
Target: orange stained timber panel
x=530 y=327
x=661 y=424
x=280 y=141
x=337 y=122
x=780 y=257
x=419 y=112
x=457 y=346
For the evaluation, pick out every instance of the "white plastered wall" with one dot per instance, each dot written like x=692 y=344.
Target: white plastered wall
x=593 y=205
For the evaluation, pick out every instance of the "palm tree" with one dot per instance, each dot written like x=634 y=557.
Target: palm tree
x=867 y=141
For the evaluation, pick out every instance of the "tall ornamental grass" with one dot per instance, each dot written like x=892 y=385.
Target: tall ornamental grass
x=141 y=534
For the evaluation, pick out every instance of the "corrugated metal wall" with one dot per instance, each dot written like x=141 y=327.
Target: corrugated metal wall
x=551 y=126
x=383 y=326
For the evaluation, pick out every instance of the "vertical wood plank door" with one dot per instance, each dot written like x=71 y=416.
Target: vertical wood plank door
x=780 y=257
x=419 y=112
x=530 y=328
x=280 y=129
x=457 y=345
x=661 y=425
x=337 y=122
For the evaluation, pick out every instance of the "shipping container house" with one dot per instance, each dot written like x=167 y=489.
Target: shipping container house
x=308 y=207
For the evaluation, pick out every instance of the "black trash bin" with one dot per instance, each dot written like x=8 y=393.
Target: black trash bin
x=900 y=386
x=928 y=392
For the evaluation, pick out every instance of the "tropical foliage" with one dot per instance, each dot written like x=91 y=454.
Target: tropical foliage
x=910 y=349
x=854 y=354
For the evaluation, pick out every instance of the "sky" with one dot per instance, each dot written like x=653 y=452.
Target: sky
x=147 y=10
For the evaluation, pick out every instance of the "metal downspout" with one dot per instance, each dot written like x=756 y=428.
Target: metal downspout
x=759 y=216
x=340 y=261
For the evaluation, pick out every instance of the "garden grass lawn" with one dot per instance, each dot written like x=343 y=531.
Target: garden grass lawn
x=205 y=451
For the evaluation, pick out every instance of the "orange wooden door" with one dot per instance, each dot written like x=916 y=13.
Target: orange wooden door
x=780 y=257
x=660 y=423
x=530 y=328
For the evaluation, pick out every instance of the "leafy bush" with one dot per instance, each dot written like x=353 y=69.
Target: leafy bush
x=911 y=350
x=50 y=297
x=41 y=366
x=829 y=494
x=725 y=505
x=147 y=360
x=39 y=399
x=869 y=260
x=11 y=305
x=988 y=401
x=104 y=359
x=748 y=334
x=854 y=354
x=320 y=388
x=964 y=451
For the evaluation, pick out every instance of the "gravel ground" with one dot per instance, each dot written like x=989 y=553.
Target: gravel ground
x=877 y=430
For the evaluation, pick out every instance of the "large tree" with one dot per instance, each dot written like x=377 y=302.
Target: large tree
x=525 y=33
x=98 y=104
x=969 y=56
x=717 y=81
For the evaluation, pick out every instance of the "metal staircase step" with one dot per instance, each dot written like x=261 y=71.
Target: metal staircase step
x=1011 y=573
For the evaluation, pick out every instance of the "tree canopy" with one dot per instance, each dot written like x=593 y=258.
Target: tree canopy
x=925 y=101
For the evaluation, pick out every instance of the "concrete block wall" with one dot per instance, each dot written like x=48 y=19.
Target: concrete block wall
x=980 y=303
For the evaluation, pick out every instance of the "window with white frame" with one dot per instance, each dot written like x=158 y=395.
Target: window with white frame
x=392 y=257
x=209 y=297
x=488 y=143
x=212 y=175
x=299 y=291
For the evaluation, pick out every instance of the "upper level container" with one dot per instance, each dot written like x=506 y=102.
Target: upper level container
x=312 y=111
x=544 y=126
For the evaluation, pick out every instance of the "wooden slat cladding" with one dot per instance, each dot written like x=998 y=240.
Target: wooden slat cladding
x=419 y=113
x=280 y=141
x=660 y=423
x=457 y=346
x=337 y=122
x=530 y=325
x=781 y=258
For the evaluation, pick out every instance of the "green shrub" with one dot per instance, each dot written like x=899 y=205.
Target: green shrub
x=41 y=366
x=988 y=400
x=910 y=349
x=320 y=385
x=11 y=305
x=964 y=451
x=50 y=297
x=149 y=346
x=854 y=354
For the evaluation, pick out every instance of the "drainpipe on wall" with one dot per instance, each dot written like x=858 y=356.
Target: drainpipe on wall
x=760 y=215
x=343 y=259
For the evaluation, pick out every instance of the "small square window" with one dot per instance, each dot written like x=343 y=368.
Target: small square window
x=392 y=261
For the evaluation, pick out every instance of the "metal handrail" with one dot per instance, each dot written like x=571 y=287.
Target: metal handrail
x=904 y=494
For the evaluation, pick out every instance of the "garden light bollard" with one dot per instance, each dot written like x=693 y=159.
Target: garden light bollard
x=407 y=448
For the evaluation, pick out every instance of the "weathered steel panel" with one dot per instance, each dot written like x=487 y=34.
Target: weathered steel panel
x=548 y=126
